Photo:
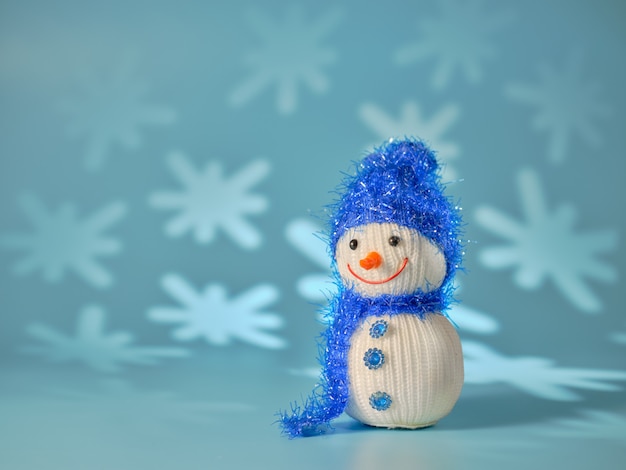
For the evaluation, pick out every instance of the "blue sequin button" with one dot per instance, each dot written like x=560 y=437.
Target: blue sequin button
x=378 y=329
x=380 y=401
x=374 y=358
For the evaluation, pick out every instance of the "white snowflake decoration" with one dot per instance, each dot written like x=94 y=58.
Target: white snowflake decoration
x=100 y=351
x=109 y=111
x=291 y=52
x=308 y=372
x=618 y=337
x=472 y=320
x=411 y=123
x=533 y=375
x=545 y=246
x=459 y=38
x=567 y=106
x=593 y=424
x=316 y=287
x=212 y=316
x=210 y=201
x=61 y=242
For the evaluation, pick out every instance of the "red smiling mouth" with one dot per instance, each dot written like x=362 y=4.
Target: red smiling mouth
x=393 y=276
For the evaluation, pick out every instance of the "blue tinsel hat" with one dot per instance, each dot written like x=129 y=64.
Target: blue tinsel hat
x=400 y=182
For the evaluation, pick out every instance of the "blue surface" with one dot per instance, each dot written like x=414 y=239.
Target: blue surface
x=163 y=167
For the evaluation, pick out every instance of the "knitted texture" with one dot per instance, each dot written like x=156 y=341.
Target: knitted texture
x=394 y=274
x=422 y=371
x=397 y=187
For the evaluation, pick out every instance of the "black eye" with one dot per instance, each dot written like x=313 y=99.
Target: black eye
x=353 y=244
x=394 y=240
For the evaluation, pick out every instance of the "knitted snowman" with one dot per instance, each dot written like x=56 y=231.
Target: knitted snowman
x=390 y=356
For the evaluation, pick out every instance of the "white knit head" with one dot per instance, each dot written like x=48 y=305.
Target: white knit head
x=386 y=258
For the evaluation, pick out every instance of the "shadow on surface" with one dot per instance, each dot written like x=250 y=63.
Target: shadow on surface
x=474 y=411
x=497 y=410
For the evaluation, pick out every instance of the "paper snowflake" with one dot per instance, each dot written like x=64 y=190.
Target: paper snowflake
x=210 y=201
x=110 y=110
x=458 y=38
x=211 y=315
x=533 y=375
x=567 y=106
x=291 y=52
x=412 y=123
x=92 y=346
x=61 y=242
x=546 y=246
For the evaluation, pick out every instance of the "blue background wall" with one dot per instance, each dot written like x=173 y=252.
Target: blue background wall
x=163 y=166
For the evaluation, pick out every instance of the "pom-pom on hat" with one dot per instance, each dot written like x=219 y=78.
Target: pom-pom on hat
x=400 y=183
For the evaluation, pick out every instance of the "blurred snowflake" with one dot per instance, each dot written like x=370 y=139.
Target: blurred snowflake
x=209 y=201
x=291 y=52
x=110 y=110
x=473 y=320
x=305 y=237
x=210 y=315
x=60 y=241
x=411 y=123
x=594 y=424
x=533 y=375
x=618 y=337
x=92 y=346
x=458 y=38
x=566 y=104
x=548 y=247
x=308 y=372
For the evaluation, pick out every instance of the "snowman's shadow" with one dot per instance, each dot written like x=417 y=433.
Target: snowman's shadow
x=352 y=426
x=497 y=410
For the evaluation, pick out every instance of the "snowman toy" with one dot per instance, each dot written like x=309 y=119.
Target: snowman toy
x=390 y=357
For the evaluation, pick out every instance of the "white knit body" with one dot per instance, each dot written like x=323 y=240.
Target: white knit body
x=422 y=371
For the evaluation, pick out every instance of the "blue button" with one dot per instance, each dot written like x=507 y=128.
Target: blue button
x=380 y=401
x=374 y=358
x=378 y=329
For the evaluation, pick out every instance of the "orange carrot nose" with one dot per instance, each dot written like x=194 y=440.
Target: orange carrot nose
x=371 y=261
